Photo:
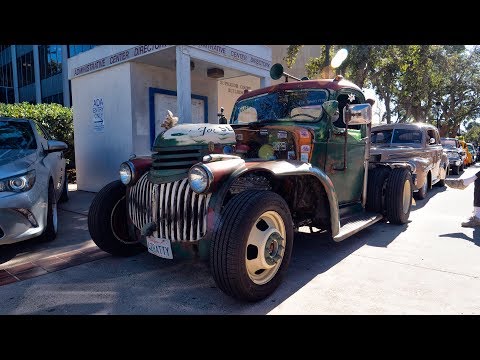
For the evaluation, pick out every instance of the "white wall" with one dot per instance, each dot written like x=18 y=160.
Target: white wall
x=98 y=155
x=143 y=77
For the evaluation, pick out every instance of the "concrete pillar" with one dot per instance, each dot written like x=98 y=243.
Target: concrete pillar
x=36 y=66
x=66 y=88
x=264 y=82
x=13 y=51
x=184 y=85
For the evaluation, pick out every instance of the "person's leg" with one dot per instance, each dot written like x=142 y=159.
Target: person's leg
x=475 y=218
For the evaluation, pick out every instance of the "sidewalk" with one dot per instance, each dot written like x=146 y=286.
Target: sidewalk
x=72 y=246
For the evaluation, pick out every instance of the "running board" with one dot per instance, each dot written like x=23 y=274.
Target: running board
x=355 y=223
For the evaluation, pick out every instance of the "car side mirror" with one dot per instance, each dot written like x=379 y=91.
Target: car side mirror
x=55 y=145
x=357 y=114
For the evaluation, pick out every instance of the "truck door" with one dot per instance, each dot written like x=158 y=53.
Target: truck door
x=348 y=181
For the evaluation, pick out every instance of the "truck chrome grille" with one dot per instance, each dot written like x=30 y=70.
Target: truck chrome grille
x=179 y=212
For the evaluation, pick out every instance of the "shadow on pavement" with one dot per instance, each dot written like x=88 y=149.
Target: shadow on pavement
x=475 y=239
x=145 y=284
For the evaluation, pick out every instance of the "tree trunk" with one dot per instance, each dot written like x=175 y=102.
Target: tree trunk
x=387 y=108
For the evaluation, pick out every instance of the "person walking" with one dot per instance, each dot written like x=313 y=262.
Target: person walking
x=461 y=184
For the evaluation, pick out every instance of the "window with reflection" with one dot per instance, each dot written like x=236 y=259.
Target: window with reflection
x=57 y=99
x=50 y=59
x=25 y=69
x=77 y=49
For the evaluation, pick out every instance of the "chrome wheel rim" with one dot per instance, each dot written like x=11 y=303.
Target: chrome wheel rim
x=265 y=247
x=406 y=196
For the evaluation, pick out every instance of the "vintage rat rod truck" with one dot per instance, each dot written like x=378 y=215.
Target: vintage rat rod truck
x=293 y=155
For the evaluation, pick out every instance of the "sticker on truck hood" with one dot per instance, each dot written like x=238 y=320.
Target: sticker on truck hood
x=197 y=134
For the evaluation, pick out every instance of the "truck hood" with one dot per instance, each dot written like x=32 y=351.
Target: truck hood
x=14 y=161
x=195 y=134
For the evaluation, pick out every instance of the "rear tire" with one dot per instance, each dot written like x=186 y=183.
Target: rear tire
x=455 y=170
x=399 y=196
x=51 y=228
x=376 y=189
x=64 y=196
x=107 y=221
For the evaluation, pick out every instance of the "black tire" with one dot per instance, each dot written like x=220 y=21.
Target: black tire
x=64 y=195
x=455 y=170
x=228 y=250
x=396 y=213
x=462 y=168
x=107 y=221
x=376 y=189
x=422 y=192
x=50 y=232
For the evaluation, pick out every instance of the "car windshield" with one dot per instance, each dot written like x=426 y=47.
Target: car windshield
x=396 y=136
x=16 y=135
x=287 y=105
x=451 y=143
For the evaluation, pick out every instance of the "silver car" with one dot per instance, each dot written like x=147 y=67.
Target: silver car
x=32 y=181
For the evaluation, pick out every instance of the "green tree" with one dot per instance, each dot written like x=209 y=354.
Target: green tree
x=57 y=119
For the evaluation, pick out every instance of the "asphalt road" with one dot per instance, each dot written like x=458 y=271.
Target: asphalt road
x=428 y=266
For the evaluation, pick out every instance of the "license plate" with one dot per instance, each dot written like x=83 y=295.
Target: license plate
x=159 y=247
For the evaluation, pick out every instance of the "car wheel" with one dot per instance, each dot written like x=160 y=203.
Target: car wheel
x=64 y=196
x=462 y=168
x=422 y=192
x=251 y=245
x=399 y=196
x=51 y=228
x=107 y=221
x=455 y=170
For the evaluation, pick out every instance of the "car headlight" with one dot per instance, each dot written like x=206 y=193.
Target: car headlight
x=18 y=183
x=200 y=178
x=127 y=172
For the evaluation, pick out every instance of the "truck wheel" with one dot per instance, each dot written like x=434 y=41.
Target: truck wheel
x=251 y=245
x=455 y=170
x=376 y=189
x=399 y=196
x=422 y=192
x=107 y=221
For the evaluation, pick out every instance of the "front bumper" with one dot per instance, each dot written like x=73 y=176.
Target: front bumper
x=16 y=226
x=454 y=162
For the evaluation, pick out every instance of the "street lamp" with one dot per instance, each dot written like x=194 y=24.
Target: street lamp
x=438 y=112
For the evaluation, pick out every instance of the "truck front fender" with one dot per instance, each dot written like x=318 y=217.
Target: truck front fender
x=277 y=169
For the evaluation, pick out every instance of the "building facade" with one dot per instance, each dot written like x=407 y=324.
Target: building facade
x=36 y=73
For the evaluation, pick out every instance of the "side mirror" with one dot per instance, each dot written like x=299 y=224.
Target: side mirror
x=331 y=108
x=357 y=114
x=431 y=141
x=55 y=145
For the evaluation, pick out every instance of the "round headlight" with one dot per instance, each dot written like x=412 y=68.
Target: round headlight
x=18 y=183
x=199 y=178
x=126 y=173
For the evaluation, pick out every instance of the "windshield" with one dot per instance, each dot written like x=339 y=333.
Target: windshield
x=16 y=135
x=449 y=143
x=397 y=136
x=288 y=105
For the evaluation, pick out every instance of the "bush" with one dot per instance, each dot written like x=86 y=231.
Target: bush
x=57 y=119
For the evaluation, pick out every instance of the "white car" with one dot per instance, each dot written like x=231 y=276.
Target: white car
x=32 y=181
